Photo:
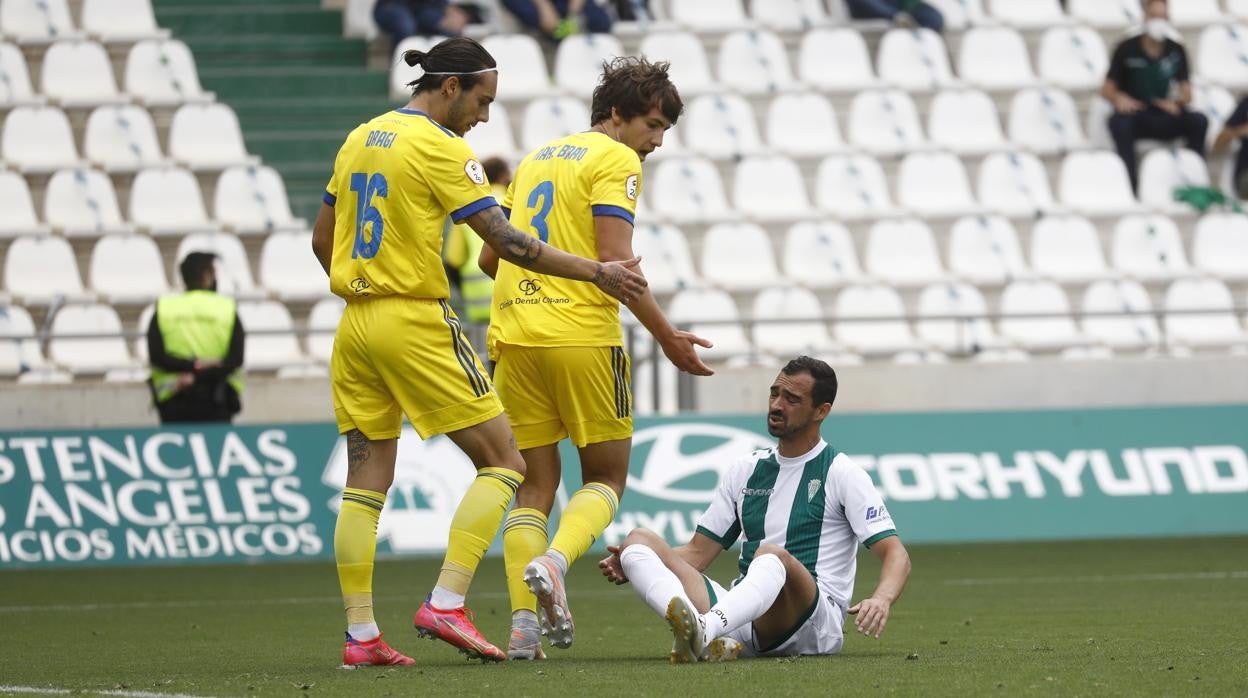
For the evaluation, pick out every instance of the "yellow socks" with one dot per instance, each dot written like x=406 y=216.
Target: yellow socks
x=355 y=546
x=524 y=538
x=474 y=525
x=587 y=515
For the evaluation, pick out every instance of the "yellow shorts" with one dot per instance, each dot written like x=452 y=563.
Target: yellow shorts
x=551 y=393
x=396 y=355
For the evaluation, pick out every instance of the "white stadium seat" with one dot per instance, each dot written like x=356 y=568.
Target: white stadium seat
x=754 y=62
x=519 y=58
x=324 y=316
x=207 y=137
x=548 y=118
x=873 y=336
x=965 y=121
x=167 y=201
x=960 y=14
x=19 y=210
x=233 y=270
x=884 y=122
x=18 y=355
x=820 y=254
x=853 y=186
x=268 y=352
x=1132 y=332
x=985 y=250
x=694 y=309
x=357 y=19
x=934 y=184
x=688 y=189
x=842 y=47
x=289 y=269
x=914 y=60
x=251 y=199
x=644 y=389
x=82 y=202
x=38 y=139
x=1067 y=249
x=995 y=58
x=579 y=59
x=89 y=355
x=1055 y=332
x=127 y=269
x=708 y=15
x=1221 y=245
x=1045 y=120
x=162 y=72
x=1015 y=184
x=139 y=345
x=1027 y=14
x=494 y=138
x=119 y=21
x=1222 y=56
x=1073 y=58
x=1096 y=183
x=1238 y=8
x=401 y=73
x=903 y=253
x=1165 y=170
x=738 y=257
x=788 y=15
x=1196 y=13
x=36 y=21
x=1106 y=14
x=15 y=87
x=1218 y=327
x=690 y=69
x=803 y=333
x=40 y=270
x=803 y=124
x=665 y=257
x=77 y=74
x=969 y=333
x=1215 y=102
x=121 y=138
x=770 y=187
x=720 y=126
x=1149 y=248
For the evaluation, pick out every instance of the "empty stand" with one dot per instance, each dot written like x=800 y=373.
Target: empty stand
x=322 y=323
x=1149 y=248
x=690 y=69
x=120 y=21
x=1222 y=55
x=985 y=250
x=882 y=329
x=853 y=186
x=1131 y=331
x=1015 y=184
x=952 y=318
x=122 y=138
x=803 y=331
x=1067 y=249
x=1046 y=325
x=127 y=269
x=666 y=259
x=1027 y=14
x=770 y=187
x=36 y=21
x=721 y=126
x=19 y=210
x=162 y=73
x=269 y=343
x=903 y=253
x=15 y=87
x=42 y=270
x=78 y=74
x=18 y=355
x=38 y=139
x=708 y=15
x=914 y=59
x=820 y=254
x=289 y=269
x=579 y=59
x=1217 y=328
x=252 y=200
x=92 y=355
x=1164 y=171
x=1096 y=183
x=789 y=15
x=803 y=124
x=548 y=118
x=1221 y=246
x=995 y=58
x=1045 y=120
x=686 y=189
x=965 y=121
x=167 y=201
x=842 y=47
x=738 y=256
x=82 y=202
x=233 y=270
x=207 y=137
x=753 y=62
x=884 y=122
x=710 y=313
x=934 y=184
x=1073 y=58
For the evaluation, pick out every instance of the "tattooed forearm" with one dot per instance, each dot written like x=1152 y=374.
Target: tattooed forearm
x=357 y=450
x=510 y=244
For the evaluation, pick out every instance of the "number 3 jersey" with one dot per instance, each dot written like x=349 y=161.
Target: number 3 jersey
x=557 y=191
x=396 y=179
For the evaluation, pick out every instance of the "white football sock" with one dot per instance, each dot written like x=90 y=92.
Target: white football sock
x=445 y=600
x=749 y=599
x=653 y=582
x=363 y=632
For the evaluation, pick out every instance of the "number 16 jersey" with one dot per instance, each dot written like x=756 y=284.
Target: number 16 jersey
x=396 y=179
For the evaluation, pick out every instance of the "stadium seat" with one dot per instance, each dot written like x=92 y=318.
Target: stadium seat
x=324 y=317
x=1027 y=14
x=38 y=139
x=519 y=58
x=167 y=201
x=289 y=269
x=357 y=20
x=163 y=73
x=754 y=62
x=18 y=355
x=884 y=122
x=494 y=137
x=268 y=352
x=789 y=15
x=120 y=21
x=708 y=15
x=127 y=270
x=985 y=250
x=1045 y=121
x=251 y=199
x=712 y=314
x=720 y=126
x=401 y=73
x=1067 y=249
x=1221 y=245
x=820 y=254
x=1106 y=14
x=1237 y=8
x=207 y=137
x=121 y=138
x=1149 y=248
x=15 y=87
x=914 y=60
x=548 y=118
x=579 y=59
x=1015 y=184
x=934 y=184
x=803 y=124
x=960 y=14
x=995 y=58
x=738 y=257
x=1132 y=332
x=1215 y=102
x=42 y=270
x=688 y=189
x=841 y=47
x=649 y=399
x=1217 y=328
x=1096 y=183
x=88 y=355
x=1196 y=13
x=903 y=253
x=665 y=257
x=78 y=74
x=965 y=122
x=138 y=346
x=853 y=186
x=233 y=270
x=690 y=70
x=1054 y=333
x=1164 y=170
x=770 y=187
x=19 y=210
x=881 y=334
x=1073 y=58
x=969 y=333
x=36 y=21
x=803 y=333
x=1222 y=56
x=82 y=202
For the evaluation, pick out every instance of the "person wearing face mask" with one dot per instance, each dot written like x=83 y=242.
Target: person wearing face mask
x=195 y=346
x=1150 y=89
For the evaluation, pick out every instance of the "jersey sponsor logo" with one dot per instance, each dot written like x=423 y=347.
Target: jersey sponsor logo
x=475 y=172
x=529 y=286
x=754 y=492
x=812 y=488
x=359 y=285
x=630 y=187
x=683 y=461
x=877 y=514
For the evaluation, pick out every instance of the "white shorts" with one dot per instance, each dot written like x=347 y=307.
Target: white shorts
x=821 y=632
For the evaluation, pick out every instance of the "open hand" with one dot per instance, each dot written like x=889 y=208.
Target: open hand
x=872 y=616
x=679 y=349
x=611 y=567
x=619 y=280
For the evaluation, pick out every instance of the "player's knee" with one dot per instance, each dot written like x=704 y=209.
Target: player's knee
x=641 y=536
x=773 y=549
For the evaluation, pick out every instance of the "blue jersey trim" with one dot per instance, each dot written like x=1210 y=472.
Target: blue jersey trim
x=477 y=206
x=608 y=210
x=329 y=199
x=506 y=212
x=417 y=112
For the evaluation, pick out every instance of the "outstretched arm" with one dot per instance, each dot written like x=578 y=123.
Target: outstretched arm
x=873 y=611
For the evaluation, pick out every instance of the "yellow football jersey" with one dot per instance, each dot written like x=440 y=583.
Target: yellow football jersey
x=556 y=192
x=396 y=179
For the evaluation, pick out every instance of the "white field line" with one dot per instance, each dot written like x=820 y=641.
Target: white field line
x=1100 y=578
x=44 y=690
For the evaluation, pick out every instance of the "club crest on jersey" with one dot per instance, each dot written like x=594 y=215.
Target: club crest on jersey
x=475 y=172
x=630 y=187
x=812 y=488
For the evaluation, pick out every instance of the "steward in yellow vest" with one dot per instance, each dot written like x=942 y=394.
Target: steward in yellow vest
x=462 y=249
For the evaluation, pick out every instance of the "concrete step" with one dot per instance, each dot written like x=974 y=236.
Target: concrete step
x=241 y=50
x=232 y=83
x=252 y=18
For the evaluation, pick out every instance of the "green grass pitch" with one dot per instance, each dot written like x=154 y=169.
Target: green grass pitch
x=1135 y=617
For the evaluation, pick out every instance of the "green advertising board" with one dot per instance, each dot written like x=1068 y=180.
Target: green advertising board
x=266 y=493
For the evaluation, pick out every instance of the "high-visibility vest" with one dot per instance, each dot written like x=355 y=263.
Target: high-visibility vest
x=476 y=288
x=194 y=325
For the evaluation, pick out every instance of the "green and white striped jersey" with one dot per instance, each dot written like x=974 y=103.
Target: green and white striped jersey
x=818 y=506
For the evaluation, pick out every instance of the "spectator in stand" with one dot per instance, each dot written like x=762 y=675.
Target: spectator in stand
x=1236 y=129
x=403 y=18
x=1150 y=90
x=557 y=19
x=903 y=13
